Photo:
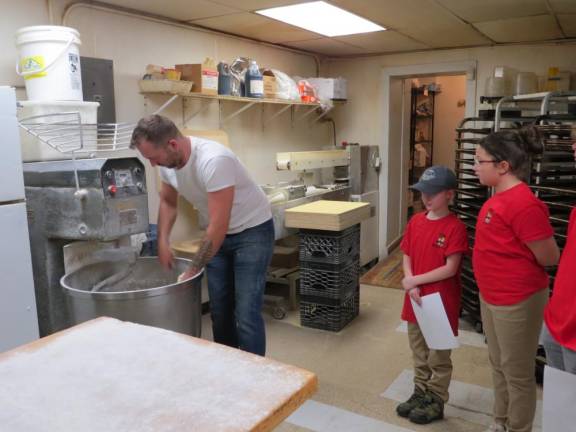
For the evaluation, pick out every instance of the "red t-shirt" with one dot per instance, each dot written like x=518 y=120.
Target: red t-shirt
x=560 y=314
x=505 y=269
x=428 y=243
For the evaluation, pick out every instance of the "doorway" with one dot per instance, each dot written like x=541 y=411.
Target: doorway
x=395 y=155
x=436 y=107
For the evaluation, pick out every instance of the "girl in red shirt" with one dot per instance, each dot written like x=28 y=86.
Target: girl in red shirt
x=514 y=242
x=559 y=336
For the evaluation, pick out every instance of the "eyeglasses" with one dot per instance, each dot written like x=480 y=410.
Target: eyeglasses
x=480 y=162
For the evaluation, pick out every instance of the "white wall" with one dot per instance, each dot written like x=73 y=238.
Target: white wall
x=359 y=117
x=132 y=43
x=447 y=116
x=367 y=118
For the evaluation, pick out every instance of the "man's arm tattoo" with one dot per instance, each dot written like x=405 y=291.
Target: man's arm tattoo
x=201 y=258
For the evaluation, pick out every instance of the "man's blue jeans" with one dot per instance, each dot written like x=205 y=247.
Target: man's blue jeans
x=236 y=282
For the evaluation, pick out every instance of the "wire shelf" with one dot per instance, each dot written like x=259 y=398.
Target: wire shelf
x=66 y=133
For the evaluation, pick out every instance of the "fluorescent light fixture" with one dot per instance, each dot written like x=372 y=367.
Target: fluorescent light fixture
x=321 y=17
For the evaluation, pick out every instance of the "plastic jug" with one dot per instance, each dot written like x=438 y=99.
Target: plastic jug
x=254 y=81
x=224 y=79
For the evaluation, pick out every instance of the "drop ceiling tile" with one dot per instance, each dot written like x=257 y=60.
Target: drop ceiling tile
x=257 y=27
x=252 y=5
x=448 y=35
x=326 y=46
x=491 y=10
x=568 y=23
x=423 y=20
x=390 y=14
x=563 y=6
x=382 y=41
x=527 y=29
x=184 y=11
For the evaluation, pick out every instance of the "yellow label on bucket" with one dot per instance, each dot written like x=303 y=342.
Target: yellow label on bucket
x=31 y=64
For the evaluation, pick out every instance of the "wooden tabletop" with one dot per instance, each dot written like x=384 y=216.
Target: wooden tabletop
x=110 y=375
x=327 y=215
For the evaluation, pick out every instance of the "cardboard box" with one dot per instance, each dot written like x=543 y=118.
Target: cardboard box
x=270 y=87
x=329 y=88
x=165 y=86
x=204 y=76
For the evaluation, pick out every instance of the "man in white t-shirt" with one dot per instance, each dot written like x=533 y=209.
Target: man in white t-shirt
x=239 y=240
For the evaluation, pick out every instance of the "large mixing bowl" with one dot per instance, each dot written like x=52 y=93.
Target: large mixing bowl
x=148 y=295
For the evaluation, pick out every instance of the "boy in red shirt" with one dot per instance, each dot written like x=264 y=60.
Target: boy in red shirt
x=433 y=245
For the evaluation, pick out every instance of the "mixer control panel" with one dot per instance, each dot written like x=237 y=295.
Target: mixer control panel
x=123 y=178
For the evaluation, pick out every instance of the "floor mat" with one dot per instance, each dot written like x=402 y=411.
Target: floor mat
x=388 y=273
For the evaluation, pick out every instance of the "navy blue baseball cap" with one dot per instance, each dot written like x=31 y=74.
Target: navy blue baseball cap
x=436 y=179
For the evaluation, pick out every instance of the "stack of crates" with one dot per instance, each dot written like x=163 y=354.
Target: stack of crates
x=329 y=277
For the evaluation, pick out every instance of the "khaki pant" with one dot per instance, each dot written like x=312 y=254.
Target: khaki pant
x=512 y=333
x=432 y=368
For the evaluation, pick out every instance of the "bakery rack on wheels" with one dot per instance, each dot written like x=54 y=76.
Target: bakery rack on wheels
x=553 y=180
x=468 y=199
x=552 y=175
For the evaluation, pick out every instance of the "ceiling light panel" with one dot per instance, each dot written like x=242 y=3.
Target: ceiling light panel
x=323 y=18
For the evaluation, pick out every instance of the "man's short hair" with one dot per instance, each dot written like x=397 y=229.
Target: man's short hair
x=156 y=129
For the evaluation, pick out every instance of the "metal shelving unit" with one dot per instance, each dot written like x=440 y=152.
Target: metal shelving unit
x=308 y=109
x=469 y=197
x=552 y=176
x=421 y=134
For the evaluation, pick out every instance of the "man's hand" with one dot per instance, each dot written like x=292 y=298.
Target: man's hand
x=188 y=274
x=414 y=294
x=409 y=282
x=165 y=255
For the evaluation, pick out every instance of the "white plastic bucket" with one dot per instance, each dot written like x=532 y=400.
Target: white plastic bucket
x=34 y=150
x=49 y=62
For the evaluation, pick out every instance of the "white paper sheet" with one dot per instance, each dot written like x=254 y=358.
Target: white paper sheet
x=559 y=400
x=433 y=322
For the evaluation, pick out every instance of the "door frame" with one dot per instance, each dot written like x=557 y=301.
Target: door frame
x=391 y=223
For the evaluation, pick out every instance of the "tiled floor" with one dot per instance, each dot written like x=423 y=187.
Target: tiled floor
x=362 y=369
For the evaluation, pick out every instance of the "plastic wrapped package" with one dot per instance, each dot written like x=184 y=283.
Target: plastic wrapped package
x=307 y=92
x=286 y=87
x=238 y=70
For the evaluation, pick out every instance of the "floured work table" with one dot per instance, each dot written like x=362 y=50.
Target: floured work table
x=115 y=376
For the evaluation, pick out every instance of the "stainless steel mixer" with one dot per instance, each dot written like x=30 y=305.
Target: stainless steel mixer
x=78 y=200
x=148 y=295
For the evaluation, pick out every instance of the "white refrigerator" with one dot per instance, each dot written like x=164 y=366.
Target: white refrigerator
x=18 y=318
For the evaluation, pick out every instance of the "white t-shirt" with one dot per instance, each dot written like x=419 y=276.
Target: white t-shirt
x=213 y=167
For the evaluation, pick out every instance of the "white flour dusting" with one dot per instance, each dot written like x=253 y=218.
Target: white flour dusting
x=112 y=376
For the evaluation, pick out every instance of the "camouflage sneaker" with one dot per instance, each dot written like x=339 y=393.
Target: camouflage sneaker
x=404 y=409
x=431 y=408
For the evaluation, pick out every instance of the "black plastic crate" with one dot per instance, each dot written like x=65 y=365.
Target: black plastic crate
x=330 y=247
x=329 y=314
x=329 y=280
